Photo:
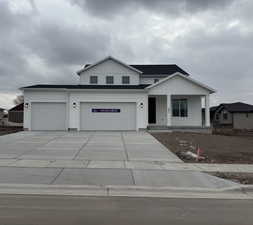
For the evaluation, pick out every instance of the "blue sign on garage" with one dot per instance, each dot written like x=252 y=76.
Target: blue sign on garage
x=105 y=110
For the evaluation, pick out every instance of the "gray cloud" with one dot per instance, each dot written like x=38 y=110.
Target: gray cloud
x=34 y=51
x=214 y=45
x=65 y=45
x=110 y=8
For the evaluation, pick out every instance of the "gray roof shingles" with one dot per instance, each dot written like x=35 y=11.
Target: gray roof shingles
x=236 y=107
x=156 y=69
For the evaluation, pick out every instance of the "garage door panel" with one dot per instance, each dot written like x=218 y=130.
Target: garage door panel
x=48 y=116
x=108 y=116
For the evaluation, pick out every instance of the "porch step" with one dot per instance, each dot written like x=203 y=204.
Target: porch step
x=181 y=129
x=157 y=127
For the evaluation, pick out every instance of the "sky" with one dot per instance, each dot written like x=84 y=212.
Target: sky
x=47 y=41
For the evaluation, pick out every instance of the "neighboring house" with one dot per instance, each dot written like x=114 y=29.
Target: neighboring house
x=1 y=113
x=233 y=115
x=1 y=116
x=112 y=95
x=16 y=115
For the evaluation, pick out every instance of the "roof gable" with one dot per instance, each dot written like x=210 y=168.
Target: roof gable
x=106 y=59
x=211 y=90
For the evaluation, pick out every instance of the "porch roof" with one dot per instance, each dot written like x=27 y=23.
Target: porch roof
x=211 y=90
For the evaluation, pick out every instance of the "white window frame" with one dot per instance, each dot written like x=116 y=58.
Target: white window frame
x=180 y=102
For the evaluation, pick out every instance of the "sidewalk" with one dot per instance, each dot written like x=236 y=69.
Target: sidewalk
x=150 y=165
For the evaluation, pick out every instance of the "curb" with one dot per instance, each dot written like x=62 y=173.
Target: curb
x=124 y=191
x=247 y=188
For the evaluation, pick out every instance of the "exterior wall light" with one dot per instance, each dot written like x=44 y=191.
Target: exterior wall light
x=141 y=105
x=74 y=104
x=26 y=105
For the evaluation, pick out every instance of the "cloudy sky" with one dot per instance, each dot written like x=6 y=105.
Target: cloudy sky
x=46 y=41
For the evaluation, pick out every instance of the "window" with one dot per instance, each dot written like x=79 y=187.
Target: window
x=93 y=79
x=125 y=80
x=179 y=108
x=156 y=80
x=217 y=116
x=225 y=115
x=109 y=79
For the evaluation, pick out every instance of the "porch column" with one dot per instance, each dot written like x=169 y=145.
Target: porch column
x=169 y=110
x=207 y=111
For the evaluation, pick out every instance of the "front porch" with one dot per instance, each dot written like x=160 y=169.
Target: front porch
x=178 y=112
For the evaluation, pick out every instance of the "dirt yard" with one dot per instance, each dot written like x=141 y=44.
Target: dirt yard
x=241 y=178
x=215 y=148
x=9 y=130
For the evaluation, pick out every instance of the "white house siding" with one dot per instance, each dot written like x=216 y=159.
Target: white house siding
x=73 y=113
x=178 y=86
x=41 y=96
x=243 y=120
x=110 y=68
x=146 y=80
x=182 y=88
x=194 y=117
x=109 y=96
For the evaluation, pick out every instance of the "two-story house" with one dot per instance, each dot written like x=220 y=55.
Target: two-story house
x=112 y=95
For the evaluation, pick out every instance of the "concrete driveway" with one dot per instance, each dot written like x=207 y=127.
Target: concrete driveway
x=95 y=158
x=105 y=146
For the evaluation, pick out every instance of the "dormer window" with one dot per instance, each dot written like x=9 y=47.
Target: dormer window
x=93 y=79
x=109 y=80
x=125 y=80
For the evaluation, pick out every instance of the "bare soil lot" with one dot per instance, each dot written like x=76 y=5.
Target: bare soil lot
x=215 y=148
x=9 y=130
x=242 y=178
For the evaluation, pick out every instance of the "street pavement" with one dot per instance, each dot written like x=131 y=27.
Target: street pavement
x=46 y=210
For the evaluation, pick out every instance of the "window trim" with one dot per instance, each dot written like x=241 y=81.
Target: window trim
x=122 y=79
x=107 y=77
x=180 y=102
x=96 y=77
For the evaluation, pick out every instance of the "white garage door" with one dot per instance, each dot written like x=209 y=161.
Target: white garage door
x=48 y=116
x=108 y=116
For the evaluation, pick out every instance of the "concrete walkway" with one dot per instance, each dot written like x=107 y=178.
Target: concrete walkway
x=151 y=165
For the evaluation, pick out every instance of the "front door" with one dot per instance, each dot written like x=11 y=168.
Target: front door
x=152 y=110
